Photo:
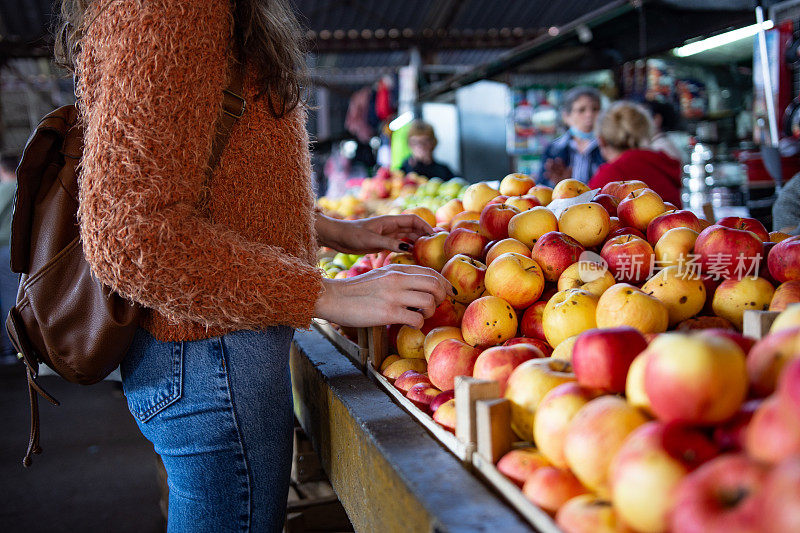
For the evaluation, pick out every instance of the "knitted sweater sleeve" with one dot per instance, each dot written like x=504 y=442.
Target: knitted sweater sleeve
x=151 y=80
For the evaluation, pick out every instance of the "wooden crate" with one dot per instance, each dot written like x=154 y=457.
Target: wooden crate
x=757 y=323
x=356 y=352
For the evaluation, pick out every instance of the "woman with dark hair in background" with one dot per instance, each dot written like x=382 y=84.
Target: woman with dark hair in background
x=575 y=154
x=226 y=264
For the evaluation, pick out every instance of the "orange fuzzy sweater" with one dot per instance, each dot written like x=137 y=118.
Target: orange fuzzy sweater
x=150 y=90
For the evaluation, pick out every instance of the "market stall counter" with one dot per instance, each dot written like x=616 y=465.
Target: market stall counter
x=388 y=472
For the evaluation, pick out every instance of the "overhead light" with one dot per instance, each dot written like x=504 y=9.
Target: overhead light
x=719 y=40
x=401 y=121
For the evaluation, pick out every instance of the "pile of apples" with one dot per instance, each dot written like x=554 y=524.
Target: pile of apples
x=635 y=429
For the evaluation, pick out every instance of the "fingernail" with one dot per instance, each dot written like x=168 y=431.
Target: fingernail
x=405 y=246
x=455 y=291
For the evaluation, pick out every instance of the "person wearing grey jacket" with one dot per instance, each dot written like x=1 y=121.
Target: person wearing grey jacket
x=786 y=210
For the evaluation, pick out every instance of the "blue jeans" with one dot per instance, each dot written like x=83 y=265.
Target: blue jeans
x=219 y=413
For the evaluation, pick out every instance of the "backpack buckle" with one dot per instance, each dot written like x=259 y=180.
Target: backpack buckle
x=234 y=106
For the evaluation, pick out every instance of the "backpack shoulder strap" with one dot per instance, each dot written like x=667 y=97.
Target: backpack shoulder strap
x=233 y=108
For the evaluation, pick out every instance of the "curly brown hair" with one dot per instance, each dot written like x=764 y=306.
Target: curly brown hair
x=268 y=36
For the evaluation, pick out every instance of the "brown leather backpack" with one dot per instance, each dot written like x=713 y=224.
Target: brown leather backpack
x=63 y=316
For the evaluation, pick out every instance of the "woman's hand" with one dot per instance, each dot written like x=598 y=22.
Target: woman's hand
x=396 y=294
x=371 y=234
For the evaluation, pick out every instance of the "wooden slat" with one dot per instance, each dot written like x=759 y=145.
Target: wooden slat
x=469 y=390
x=757 y=323
x=378 y=345
x=493 y=422
x=352 y=350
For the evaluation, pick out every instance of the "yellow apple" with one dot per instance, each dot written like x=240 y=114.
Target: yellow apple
x=587 y=275
x=735 y=296
x=675 y=247
x=542 y=192
x=516 y=184
x=488 y=321
x=569 y=188
x=626 y=305
x=506 y=246
x=526 y=387
x=424 y=213
x=634 y=384
x=396 y=369
x=683 y=294
x=589 y=514
x=477 y=195
x=564 y=349
x=529 y=225
x=515 y=278
x=587 y=223
x=787 y=319
x=568 y=313
x=553 y=416
x=446 y=213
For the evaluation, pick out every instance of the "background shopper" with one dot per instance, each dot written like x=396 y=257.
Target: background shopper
x=422 y=141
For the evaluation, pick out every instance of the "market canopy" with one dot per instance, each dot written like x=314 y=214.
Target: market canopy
x=353 y=41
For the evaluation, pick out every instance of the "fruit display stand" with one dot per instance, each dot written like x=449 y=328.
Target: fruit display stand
x=387 y=470
x=357 y=352
x=756 y=324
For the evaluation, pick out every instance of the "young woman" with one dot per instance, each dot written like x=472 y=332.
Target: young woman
x=575 y=154
x=226 y=267
x=624 y=132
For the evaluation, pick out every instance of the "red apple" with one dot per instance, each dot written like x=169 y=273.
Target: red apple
x=722 y=496
x=601 y=357
x=774 y=432
x=496 y=364
x=609 y=202
x=748 y=224
x=495 y=218
x=554 y=252
x=784 y=260
x=524 y=202
x=501 y=199
x=730 y=436
x=449 y=359
x=549 y=488
x=768 y=357
x=589 y=513
x=516 y=278
x=781 y=497
x=669 y=220
x=488 y=321
x=441 y=398
x=447 y=313
x=518 y=465
x=464 y=241
x=531 y=322
x=445 y=415
x=630 y=259
x=620 y=189
x=726 y=252
x=639 y=207
x=614 y=224
x=789 y=388
x=466 y=275
x=429 y=250
x=554 y=413
x=624 y=230
x=422 y=395
x=409 y=379
x=745 y=343
x=545 y=348
x=786 y=293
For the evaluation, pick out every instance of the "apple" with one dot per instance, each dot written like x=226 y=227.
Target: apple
x=529 y=225
x=620 y=189
x=789 y=388
x=587 y=223
x=730 y=436
x=471 y=225
x=768 y=358
x=531 y=321
x=543 y=193
x=422 y=394
x=489 y=321
x=523 y=203
x=437 y=335
x=723 y=495
x=545 y=348
x=594 y=436
x=429 y=250
x=555 y=252
x=747 y=224
x=785 y=294
x=466 y=275
x=505 y=246
x=518 y=465
x=448 y=313
x=735 y=296
x=589 y=514
x=408 y=379
x=784 y=260
x=401 y=366
x=615 y=225
x=781 y=497
x=527 y=385
x=388 y=361
x=465 y=216
x=396 y=258
x=648 y=468
x=634 y=384
x=626 y=305
x=601 y=357
x=587 y=275
x=564 y=349
x=501 y=199
x=675 y=246
x=446 y=212
x=497 y=363
x=787 y=319
x=774 y=432
x=549 y=488
x=695 y=379
x=569 y=188
x=682 y=294
x=568 y=313
x=608 y=202
x=515 y=278
x=624 y=230
x=553 y=416
x=639 y=207
x=705 y=322
x=464 y=241
x=451 y=358
x=727 y=252
x=445 y=415
x=745 y=343
x=630 y=258
x=424 y=213
x=778 y=236
x=516 y=184
x=671 y=220
x=409 y=343
x=477 y=195
x=441 y=398
x=495 y=218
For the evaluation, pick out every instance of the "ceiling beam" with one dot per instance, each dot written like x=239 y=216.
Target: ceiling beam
x=355 y=41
